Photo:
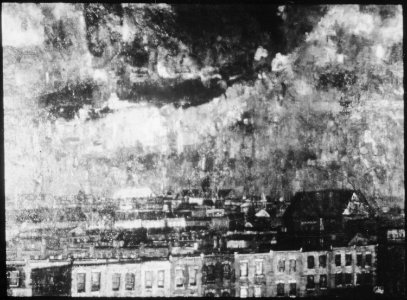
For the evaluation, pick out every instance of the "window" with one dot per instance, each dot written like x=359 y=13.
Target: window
x=226 y=271
x=368 y=259
x=280 y=289
x=149 y=279
x=293 y=265
x=95 y=281
x=281 y=265
x=192 y=277
x=179 y=277
x=359 y=259
x=259 y=267
x=115 y=282
x=81 y=280
x=322 y=261
x=160 y=281
x=310 y=262
x=368 y=279
x=243 y=269
x=310 y=282
x=13 y=278
x=323 y=281
x=293 y=289
x=348 y=259
x=130 y=279
x=210 y=275
x=243 y=292
x=358 y=278
x=348 y=278
x=338 y=279
x=338 y=260
x=257 y=291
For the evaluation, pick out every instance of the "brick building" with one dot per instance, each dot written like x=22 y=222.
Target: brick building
x=218 y=275
x=254 y=275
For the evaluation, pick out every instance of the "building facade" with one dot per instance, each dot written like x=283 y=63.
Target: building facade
x=186 y=276
x=102 y=278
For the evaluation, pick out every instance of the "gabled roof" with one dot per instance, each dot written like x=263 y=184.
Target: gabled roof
x=263 y=214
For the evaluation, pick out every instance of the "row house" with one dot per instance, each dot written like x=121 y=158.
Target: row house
x=218 y=275
x=96 y=278
x=253 y=275
x=186 y=275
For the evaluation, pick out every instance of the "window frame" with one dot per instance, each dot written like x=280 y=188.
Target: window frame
x=259 y=262
x=336 y=260
x=148 y=280
x=95 y=288
x=290 y=289
x=79 y=282
x=10 y=278
x=312 y=282
x=281 y=266
x=116 y=277
x=194 y=272
x=246 y=268
x=322 y=261
x=323 y=284
x=348 y=262
x=244 y=288
x=292 y=266
x=310 y=262
x=258 y=291
x=338 y=279
x=280 y=288
x=129 y=281
x=368 y=262
x=179 y=278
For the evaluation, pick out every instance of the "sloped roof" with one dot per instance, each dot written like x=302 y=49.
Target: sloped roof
x=263 y=214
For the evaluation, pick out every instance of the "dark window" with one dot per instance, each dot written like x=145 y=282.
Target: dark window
x=359 y=259
x=95 y=281
x=323 y=282
x=293 y=289
x=226 y=271
x=130 y=281
x=281 y=265
x=348 y=259
x=348 y=278
x=338 y=260
x=338 y=279
x=280 y=289
x=368 y=279
x=310 y=262
x=293 y=265
x=359 y=278
x=115 y=281
x=210 y=276
x=310 y=282
x=368 y=259
x=81 y=285
x=322 y=261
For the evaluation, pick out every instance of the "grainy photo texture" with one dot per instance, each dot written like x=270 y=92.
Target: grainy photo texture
x=202 y=150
